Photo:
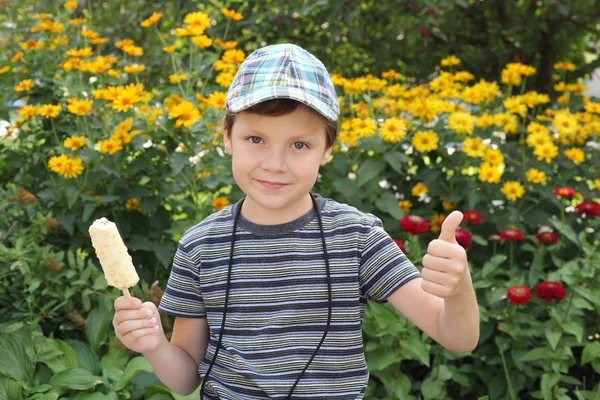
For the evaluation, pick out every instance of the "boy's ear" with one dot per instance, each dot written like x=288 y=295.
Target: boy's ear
x=326 y=154
x=227 y=139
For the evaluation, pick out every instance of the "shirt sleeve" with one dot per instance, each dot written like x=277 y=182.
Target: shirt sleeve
x=182 y=296
x=383 y=266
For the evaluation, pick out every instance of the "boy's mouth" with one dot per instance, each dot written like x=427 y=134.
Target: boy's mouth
x=271 y=185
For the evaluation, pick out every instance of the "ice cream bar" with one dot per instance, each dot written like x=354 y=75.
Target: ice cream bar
x=112 y=253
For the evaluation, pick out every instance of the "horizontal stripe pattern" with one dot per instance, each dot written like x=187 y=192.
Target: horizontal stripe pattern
x=278 y=301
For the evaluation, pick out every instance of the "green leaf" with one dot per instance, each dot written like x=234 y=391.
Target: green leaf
x=575 y=329
x=87 y=358
x=381 y=358
x=368 y=171
x=538 y=353
x=115 y=358
x=492 y=264
x=416 y=349
x=590 y=352
x=135 y=365
x=432 y=388
x=546 y=388
x=553 y=338
x=140 y=242
x=10 y=389
x=15 y=348
x=57 y=355
x=178 y=161
x=76 y=379
x=72 y=194
x=88 y=209
x=96 y=327
x=397 y=161
x=67 y=221
x=565 y=230
x=389 y=204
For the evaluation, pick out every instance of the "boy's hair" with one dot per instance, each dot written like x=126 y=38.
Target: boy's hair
x=278 y=107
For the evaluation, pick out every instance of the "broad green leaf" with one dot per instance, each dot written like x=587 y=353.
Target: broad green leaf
x=76 y=379
x=57 y=355
x=574 y=328
x=72 y=194
x=590 y=352
x=539 y=353
x=416 y=349
x=67 y=221
x=135 y=365
x=369 y=170
x=553 y=338
x=565 y=230
x=492 y=264
x=15 y=350
x=381 y=358
x=397 y=161
x=389 y=204
x=96 y=327
x=115 y=358
x=432 y=388
x=546 y=388
x=10 y=389
x=87 y=358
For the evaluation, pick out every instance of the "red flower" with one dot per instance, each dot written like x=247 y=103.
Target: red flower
x=414 y=224
x=495 y=238
x=547 y=238
x=463 y=238
x=589 y=209
x=473 y=217
x=400 y=244
x=518 y=294
x=511 y=234
x=549 y=290
x=565 y=192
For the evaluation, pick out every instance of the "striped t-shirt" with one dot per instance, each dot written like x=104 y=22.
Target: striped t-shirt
x=278 y=299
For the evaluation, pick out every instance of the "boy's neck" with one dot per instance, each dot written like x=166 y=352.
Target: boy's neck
x=256 y=214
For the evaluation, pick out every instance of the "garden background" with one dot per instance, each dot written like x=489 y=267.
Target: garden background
x=113 y=109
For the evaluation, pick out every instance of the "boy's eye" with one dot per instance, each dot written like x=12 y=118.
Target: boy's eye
x=297 y=145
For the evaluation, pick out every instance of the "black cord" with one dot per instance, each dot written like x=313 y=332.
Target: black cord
x=330 y=300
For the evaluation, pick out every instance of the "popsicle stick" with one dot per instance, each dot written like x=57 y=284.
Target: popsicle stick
x=126 y=292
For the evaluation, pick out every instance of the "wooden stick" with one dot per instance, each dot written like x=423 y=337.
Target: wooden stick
x=126 y=292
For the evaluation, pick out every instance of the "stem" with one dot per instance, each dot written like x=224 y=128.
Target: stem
x=54 y=132
x=506 y=375
x=87 y=129
x=568 y=307
x=512 y=244
x=190 y=68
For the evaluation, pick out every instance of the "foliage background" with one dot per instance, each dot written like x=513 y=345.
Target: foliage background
x=55 y=307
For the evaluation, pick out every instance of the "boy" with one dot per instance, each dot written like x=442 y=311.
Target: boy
x=269 y=293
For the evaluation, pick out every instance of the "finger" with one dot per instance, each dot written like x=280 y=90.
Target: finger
x=126 y=327
x=442 y=249
x=127 y=303
x=437 y=264
x=448 y=230
x=126 y=315
x=434 y=288
x=434 y=276
x=138 y=333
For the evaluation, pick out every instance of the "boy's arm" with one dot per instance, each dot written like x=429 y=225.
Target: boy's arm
x=443 y=303
x=176 y=363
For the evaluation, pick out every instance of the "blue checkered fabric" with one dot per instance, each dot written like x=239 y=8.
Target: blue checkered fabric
x=283 y=71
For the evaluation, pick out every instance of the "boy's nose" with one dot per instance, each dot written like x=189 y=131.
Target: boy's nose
x=275 y=161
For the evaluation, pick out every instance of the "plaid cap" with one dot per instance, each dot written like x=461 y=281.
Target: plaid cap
x=283 y=71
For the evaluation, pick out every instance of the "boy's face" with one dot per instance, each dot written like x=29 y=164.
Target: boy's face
x=276 y=159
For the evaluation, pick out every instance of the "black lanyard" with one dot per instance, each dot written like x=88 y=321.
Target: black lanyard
x=235 y=222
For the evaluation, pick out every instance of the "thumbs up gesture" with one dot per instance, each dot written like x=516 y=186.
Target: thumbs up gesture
x=445 y=271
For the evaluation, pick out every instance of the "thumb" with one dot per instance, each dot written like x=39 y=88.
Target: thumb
x=448 y=230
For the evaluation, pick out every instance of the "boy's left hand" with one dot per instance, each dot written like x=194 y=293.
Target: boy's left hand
x=445 y=271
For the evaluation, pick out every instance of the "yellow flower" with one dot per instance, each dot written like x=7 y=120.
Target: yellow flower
x=435 y=225
x=176 y=78
x=535 y=176
x=86 y=51
x=405 y=205
x=391 y=74
x=230 y=44
x=24 y=85
x=450 y=61
x=125 y=100
x=133 y=50
x=445 y=205
x=202 y=41
x=546 y=152
x=364 y=127
x=114 y=73
x=565 y=123
x=197 y=22
x=231 y=14
x=224 y=79
x=74 y=142
x=575 y=154
x=592 y=107
x=201 y=175
x=169 y=49
x=17 y=57
x=80 y=107
x=233 y=56
x=132 y=204
x=121 y=136
x=151 y=20
x=489 y=173
x=597 y=184
x=28 y=111
x=485 y=121
x=536 y=128
x=513 y=190
x=564 y=65
x=425 y=141
x=98 y=41
x=419 y=189
x=110 y=146
x=68 y=167
x=493 y=156
x=392 y=130
x=474 y=147
x=125 y=42
x=461 y=122
x=4 y=69
x=217 y=99
x=186 y=113
x=71 y=4
x=220 y=202
x=134 y=68
x=49 y=110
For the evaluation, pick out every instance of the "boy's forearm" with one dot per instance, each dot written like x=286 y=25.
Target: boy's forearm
x=175 y=368
x=458 y=323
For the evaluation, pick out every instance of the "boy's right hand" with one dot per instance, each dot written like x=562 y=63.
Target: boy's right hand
x=138 y=325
